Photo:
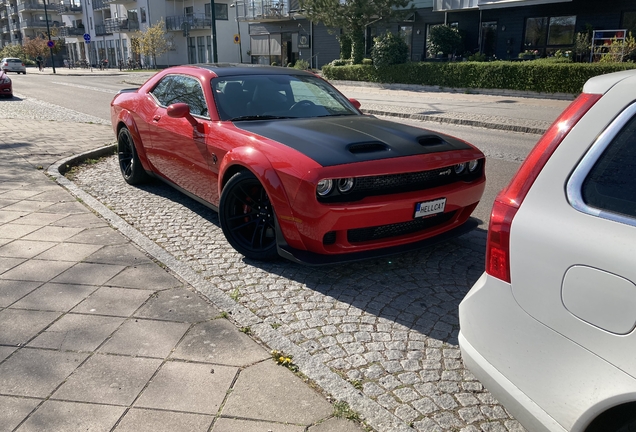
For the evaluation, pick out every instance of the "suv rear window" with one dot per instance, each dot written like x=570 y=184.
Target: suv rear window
x=611 y=184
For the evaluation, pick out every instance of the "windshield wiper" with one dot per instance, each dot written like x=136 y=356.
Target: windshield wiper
x=258 y=117
x=337 y=115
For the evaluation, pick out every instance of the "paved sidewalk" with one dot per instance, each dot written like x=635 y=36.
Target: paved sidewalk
x=95 y=335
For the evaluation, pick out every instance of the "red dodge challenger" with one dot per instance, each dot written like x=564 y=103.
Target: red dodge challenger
x=292 y=166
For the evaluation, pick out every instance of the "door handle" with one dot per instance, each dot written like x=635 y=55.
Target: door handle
x=156 y=118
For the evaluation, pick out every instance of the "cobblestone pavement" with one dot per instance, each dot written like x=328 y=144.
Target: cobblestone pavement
x=387 y=326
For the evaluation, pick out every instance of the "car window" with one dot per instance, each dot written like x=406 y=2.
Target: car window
x=180 y=88
x=611 y=184
x=288 y=96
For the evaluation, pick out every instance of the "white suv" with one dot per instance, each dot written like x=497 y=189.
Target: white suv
x=549 y=327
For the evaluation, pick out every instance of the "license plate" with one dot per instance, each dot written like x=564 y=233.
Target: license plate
x=428 y=208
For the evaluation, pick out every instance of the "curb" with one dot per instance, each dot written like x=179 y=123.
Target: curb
x=458 y=121
x=438 y=89
x=371 y=412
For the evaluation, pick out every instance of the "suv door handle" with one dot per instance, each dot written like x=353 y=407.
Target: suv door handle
x=156 y=118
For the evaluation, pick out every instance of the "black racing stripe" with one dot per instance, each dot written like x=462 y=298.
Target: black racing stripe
x=348 y=139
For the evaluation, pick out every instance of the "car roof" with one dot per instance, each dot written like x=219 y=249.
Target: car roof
x=233 y=69
x=12 y=58
x=602 y=83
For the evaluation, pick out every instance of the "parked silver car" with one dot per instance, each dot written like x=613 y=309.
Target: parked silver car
x=12 y=64
x=549 y=328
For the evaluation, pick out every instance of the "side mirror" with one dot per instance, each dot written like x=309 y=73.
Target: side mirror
x=182 y=110
x=355 y=103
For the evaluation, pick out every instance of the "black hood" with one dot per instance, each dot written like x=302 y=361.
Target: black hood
x=349 y=139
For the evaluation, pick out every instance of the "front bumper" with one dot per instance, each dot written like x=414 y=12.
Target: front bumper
x=311 y=258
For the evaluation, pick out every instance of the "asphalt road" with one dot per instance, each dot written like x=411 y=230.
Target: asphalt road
x=91 y=94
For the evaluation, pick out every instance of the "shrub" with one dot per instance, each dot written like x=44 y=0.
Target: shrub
x=444 y=39
x=389 y=49
x=538 y=75
x=274 y=64
x=301 y=64
x=367 y=61
x=340 y=62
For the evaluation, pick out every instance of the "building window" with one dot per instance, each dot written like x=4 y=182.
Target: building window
x=489 y=38
x=208 y=40
x=629 y=21
x=142 y=12
x=406 y=33
x=561 y=30
x=201 y=48
x=192 y=50
x=220 y=11
x=544 y=32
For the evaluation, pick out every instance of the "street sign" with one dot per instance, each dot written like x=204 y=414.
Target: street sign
x=50 y=44
x=87 y=37
x=237 y=38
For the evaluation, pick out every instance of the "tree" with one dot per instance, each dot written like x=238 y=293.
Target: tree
x=34 y=47
x=352 y=16
x=16 y=51
x=152 y=42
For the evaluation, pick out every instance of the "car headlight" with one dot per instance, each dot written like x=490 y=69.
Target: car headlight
x=5 y=80
x=459 y=168
x=472 y=165
x=324 y=187
x=345 y=184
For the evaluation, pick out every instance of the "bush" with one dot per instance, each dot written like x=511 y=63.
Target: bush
x=301 y=64
x=444 y=39
x=341 y=62
x=389 y=49
x=538 y=76
x=274 y=64
x=367 y=61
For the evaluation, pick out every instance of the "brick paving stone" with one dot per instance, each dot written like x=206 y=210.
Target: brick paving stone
x=391 y=323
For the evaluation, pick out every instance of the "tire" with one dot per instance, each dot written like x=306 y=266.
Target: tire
x=247 y=217
x=129 y=164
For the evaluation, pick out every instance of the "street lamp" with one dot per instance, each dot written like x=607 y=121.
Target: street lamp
x=213 y=26
x=48 y=31
x=238 y=30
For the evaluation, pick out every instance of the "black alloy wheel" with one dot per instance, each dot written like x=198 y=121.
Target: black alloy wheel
x=129 y=164
x=247 y=217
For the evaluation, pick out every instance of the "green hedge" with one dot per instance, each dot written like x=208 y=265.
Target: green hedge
x=533 y=76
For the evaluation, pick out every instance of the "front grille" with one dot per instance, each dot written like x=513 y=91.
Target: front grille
x=394 y=230
x=399 y=183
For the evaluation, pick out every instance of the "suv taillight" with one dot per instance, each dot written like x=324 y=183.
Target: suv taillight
x=510 y=198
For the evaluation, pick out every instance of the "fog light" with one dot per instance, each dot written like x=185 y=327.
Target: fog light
x=324 y=187
x=472 y=165
x=345 y=184
x=459 y=168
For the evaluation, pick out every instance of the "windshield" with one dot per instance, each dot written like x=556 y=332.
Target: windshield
x=253 y=97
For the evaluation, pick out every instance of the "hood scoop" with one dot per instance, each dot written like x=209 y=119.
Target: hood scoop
x=431 y=141
x=367 y=147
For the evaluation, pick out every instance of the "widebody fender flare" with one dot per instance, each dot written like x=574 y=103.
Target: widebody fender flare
x=125 y=118
x=252 y=159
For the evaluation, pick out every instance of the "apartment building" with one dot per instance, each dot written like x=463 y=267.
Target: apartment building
x=22 y=19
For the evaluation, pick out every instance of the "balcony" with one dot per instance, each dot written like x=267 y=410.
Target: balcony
x=196 y=21
x=120 y=25
x=33 y=6
x=13 y=10
x=100 y=30
x=69 y=8
x=38 y=23
x=101 y=4
x=3 y=14
x=266 y=10
x=66 y=31
x=4 y=29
